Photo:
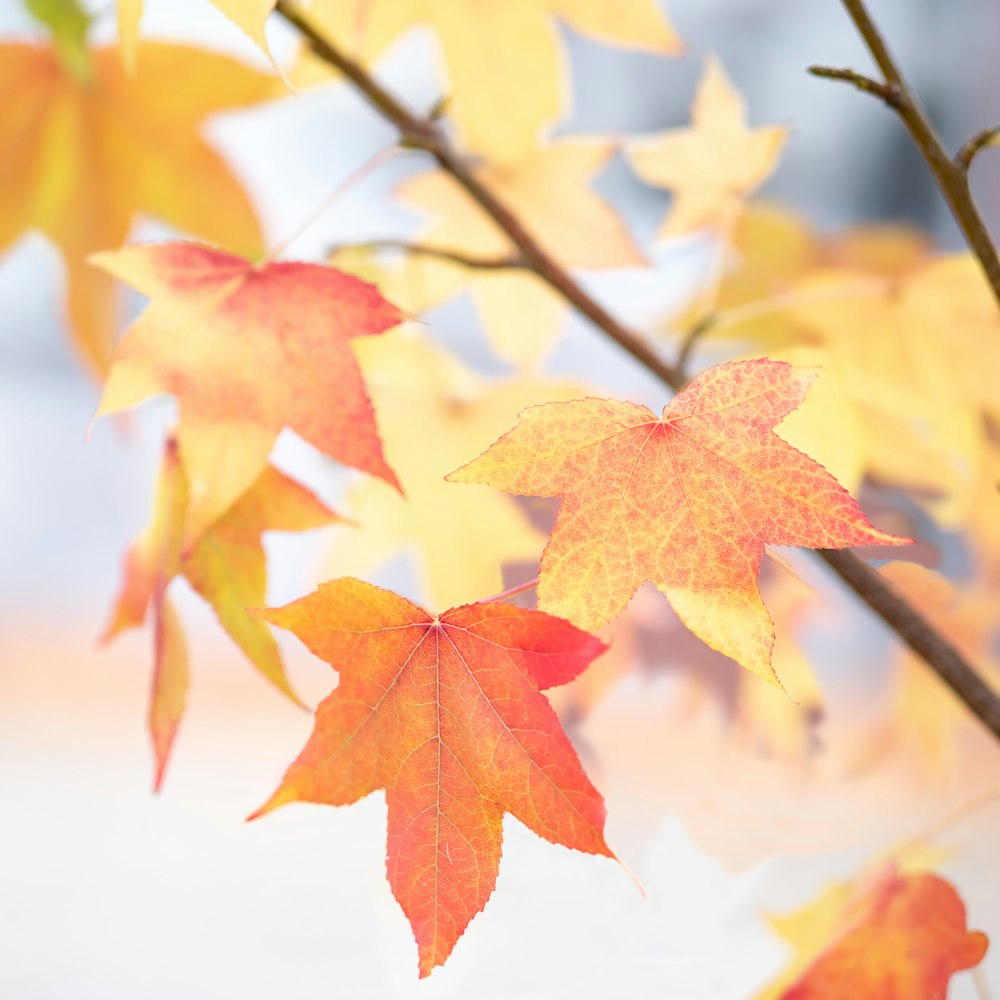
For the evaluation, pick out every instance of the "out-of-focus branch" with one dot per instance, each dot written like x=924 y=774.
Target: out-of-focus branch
x=426 y=134
x=952 y=174
x=978 y=142
x=421 y=133
x=459 y=257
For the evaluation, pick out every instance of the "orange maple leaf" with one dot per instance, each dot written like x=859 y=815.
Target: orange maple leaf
x=687 y=500
x=247 y=349
x=83 y=156
x=445 y=714
x=226 y=567
x=902 y=938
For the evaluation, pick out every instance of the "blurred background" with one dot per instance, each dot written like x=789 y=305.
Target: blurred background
x=107 y=891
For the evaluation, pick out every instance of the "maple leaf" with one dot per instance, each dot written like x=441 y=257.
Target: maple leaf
x=79 y=163
x=713 y=166
x=894 y=351
x=687 y=500
x=892 y=936
x=276 y=336
x=226 y=567
x=445 y=714
x=551 y=189
x=433 y=411
x=503 y=58
x=249 y=15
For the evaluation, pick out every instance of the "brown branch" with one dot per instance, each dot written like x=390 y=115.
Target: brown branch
x=425 y=134
x=978 y=142
x=858 y=80
x=952 y=175
x=917 y=633
x=459 y=257
x=911 y=627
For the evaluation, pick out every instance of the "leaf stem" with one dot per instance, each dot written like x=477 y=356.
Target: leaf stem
x=353 y=178
x=952 y=174
x=511 y=591
x=419 y=133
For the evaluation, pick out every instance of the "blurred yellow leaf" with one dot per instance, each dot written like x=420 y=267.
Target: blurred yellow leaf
x=715 y=164
x=433 y=412
x=81 y=163
x=502 y=58
x=921 y=389
x=551 y=192
x=249 y=15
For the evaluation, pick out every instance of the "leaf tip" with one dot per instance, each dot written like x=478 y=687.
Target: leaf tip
x=280 y=798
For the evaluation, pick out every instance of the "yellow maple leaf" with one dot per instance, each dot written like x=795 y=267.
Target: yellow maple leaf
x=83 y=157
x=550 y=190
x=503 y=58
x=249 y=15
x=921 y=396
x=713 y=166
x=432 y=413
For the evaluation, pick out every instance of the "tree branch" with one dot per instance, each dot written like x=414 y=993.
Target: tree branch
x=425 y=134
x=858 y=80
x=459 y=257
x=951 y=174
x=917 y=633
x=911 y=627
x=968 y=152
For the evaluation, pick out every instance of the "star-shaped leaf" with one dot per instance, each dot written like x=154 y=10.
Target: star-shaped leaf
x=445 y=713
x=551 y=191
x=275 y=336
x=713 y=166
x=687 y=500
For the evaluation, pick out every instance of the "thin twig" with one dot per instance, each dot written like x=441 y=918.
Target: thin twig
x=951 y=174
x=512 y=591
x=858 y=80
x=353 y=178
x=690 y=341
x=421 y=133
x=987 y=137
x=460 y=257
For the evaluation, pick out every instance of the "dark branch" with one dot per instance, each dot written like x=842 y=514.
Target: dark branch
x=865 y=83
x=951 y=174
x=424 y=133
x=979 y=142
x=459 y=257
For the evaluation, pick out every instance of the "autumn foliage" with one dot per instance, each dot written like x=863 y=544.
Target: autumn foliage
x=808 y=423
